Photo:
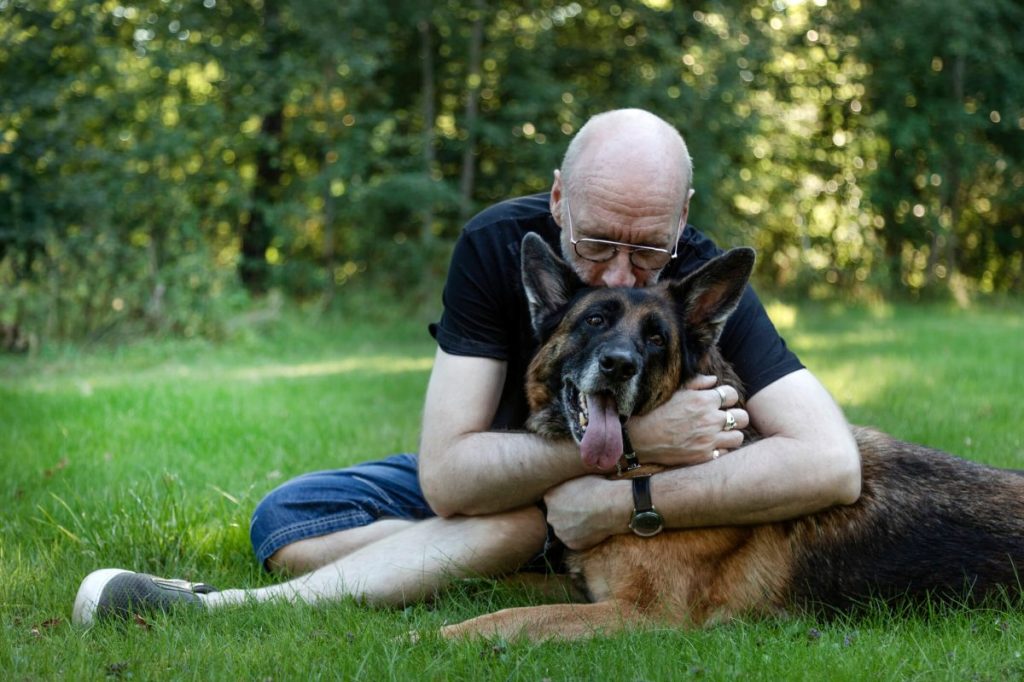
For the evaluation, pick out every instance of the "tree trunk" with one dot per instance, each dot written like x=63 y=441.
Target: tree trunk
x=429 y=157
x=256 y=231
x=330 y=237
x=472 y=104
x=953 y=181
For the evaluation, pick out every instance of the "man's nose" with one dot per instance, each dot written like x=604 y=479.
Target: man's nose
x=618 y=272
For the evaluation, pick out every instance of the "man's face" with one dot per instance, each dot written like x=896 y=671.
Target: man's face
x=620 y=222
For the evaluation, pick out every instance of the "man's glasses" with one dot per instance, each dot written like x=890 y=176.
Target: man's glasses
x=603 y=250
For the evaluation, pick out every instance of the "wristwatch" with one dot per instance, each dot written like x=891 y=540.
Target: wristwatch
x=646 y=520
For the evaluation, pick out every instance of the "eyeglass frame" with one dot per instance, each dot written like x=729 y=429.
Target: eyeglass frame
x=633 y=248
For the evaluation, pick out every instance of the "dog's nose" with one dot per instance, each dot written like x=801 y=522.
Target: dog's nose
x=618 y=365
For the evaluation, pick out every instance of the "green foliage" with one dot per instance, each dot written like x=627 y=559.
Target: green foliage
x=946 y=105
x=160 y=161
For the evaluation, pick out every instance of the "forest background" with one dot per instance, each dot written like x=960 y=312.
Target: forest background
x=164 y=164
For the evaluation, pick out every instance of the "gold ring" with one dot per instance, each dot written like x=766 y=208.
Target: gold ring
x=720 y=390
x=730 y=421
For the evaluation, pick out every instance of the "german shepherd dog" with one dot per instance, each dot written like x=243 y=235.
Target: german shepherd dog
x=926 y=525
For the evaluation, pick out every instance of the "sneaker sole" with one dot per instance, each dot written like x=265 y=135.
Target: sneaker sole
x=89 y=594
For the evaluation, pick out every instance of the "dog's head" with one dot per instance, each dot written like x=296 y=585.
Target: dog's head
x=608 y=353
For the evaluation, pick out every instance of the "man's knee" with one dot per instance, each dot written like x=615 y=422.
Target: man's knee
x=309 y=554
x=325 y=503
x=288 y=560
x=523 y=530
x=302 y=556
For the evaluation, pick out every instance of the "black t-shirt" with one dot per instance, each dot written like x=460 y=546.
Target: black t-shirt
x=486 y=315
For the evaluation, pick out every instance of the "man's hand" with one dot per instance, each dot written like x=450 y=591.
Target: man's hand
x=691 y=426
x=584 y=511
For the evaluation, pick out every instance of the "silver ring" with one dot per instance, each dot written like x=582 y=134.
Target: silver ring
x=716 y=453
x=720 y=390
x=730 y=421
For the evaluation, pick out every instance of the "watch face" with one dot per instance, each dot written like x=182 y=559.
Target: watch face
x=647 y=523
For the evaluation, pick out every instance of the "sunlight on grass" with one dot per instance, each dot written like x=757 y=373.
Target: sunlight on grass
x=829 y=341
x=860 y=383
x=868 y=374
x=782 y=315
x=787 y=316
x=378 y=364
x=373 y=364
x=853 y=376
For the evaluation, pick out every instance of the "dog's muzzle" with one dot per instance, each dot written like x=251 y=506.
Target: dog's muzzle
x=606 y=390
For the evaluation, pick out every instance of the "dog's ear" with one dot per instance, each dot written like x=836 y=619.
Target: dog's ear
x=707 y=297
x=548 y=280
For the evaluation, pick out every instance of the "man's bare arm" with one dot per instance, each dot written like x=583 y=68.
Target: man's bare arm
x=467 y=469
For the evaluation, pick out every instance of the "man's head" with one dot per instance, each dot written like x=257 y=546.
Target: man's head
x=625 y=178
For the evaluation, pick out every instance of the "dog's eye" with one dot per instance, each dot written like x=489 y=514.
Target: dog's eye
x=656 y=340
x=595 y=320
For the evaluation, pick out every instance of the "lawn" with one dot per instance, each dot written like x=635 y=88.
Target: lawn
x=152 y=456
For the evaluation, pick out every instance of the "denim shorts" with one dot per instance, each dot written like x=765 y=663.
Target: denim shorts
x=325 y=502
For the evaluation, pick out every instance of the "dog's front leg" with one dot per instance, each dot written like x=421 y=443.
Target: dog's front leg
x=551 y=621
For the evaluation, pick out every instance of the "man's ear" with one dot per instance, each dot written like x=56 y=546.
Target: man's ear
x=548 y=280
x=707 y=297
x=555 y=197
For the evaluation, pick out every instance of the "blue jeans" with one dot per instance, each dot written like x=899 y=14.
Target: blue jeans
x=325 y=502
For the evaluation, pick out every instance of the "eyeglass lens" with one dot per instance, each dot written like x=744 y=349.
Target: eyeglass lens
x=599 y=252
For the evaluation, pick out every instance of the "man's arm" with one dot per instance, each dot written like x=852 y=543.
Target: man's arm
x=466 y=469
x=807 y=461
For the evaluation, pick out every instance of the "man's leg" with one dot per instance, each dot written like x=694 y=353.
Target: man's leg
x=364 y=532
x=303 y=556
x=407 y=566
x=414 y=563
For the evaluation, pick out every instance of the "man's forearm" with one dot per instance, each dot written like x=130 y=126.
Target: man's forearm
x=807 y=461
x=484 y=473
x=771 y=480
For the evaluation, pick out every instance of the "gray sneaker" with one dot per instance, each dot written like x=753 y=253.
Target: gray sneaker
x=116 y=593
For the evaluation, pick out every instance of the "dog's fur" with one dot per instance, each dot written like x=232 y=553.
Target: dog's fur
x=927 y=525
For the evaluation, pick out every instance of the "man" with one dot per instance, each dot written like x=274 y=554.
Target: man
x=380 y=533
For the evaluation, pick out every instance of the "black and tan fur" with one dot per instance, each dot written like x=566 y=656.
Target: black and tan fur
x=927 y=524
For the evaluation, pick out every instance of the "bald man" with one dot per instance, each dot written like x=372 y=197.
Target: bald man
x=397 y=530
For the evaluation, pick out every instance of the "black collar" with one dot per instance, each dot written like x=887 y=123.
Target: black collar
x=629 y=462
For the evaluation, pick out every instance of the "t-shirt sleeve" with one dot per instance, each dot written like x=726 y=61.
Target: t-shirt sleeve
x=752 y=344
x=474 y=321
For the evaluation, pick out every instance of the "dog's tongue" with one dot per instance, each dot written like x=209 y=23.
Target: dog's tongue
x=601 y=446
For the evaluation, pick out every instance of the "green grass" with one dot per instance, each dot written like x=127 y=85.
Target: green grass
x=153 y=456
